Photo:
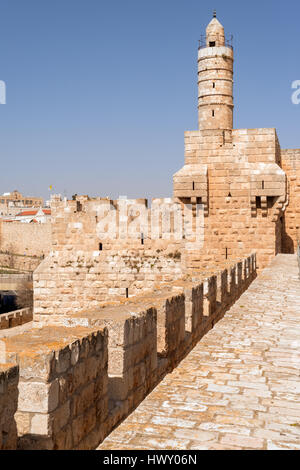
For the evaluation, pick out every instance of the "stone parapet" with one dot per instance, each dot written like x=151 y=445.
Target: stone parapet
x=15 y=318
x=62 y=386
x=81 y=374
x=150 y=333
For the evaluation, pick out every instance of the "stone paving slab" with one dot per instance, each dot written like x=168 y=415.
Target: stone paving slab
x=240 y=386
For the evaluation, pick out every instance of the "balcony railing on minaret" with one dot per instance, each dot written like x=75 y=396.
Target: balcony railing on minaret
x=203 y=44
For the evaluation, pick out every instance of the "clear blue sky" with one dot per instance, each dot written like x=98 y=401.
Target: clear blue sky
x=99 y=93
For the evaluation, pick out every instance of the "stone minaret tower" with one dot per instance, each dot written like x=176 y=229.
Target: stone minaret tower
x=215 y=79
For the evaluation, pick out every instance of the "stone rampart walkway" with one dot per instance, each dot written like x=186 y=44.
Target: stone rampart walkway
x=240 y=387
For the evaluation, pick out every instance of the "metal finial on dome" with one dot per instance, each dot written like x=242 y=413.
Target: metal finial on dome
x=215 y=14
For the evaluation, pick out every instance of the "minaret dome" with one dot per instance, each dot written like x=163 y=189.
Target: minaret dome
x=215 y=34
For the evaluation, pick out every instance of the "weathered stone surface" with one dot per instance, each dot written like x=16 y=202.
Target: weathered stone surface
x=63 y=376
x=38 y=396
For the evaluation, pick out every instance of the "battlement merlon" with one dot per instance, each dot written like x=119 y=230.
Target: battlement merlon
x=102 y=224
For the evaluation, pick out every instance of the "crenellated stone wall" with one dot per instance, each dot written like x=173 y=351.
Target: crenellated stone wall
x=150 y=333
x=81 y=374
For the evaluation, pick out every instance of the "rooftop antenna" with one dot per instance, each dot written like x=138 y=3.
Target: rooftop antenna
x=214 y=14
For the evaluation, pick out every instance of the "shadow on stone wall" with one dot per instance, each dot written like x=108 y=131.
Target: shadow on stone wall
x=288 y=246
x=9 y=379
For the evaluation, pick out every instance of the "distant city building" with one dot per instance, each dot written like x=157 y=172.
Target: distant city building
x=14 y=202
x=38 y=216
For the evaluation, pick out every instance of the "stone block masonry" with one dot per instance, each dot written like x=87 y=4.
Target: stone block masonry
x=68 y=282
x=19 y=262
x=62 y=387
x=20 y=238
x=14 y=281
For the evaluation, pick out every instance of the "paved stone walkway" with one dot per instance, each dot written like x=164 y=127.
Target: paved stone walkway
x=240 y=387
